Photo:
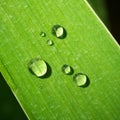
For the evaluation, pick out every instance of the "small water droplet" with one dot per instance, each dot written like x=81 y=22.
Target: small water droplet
x=81 y=80
x=38 y=67
x=43 y=34
x=59 y=31
x=67 y=69
x=50 y=42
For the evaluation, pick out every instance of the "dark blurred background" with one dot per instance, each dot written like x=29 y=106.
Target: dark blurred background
x=113 y=7
x=9 y=107
x=108 y=11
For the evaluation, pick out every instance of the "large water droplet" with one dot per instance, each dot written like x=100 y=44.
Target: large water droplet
x=50 y=42
x=59 y=31
x=67 y=69
x=81 y=80
x=38 y=67
x=43 y=34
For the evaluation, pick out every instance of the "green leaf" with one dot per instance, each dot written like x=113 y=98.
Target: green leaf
x=88 y=48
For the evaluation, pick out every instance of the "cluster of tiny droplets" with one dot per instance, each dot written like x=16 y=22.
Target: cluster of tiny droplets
x=39 y=67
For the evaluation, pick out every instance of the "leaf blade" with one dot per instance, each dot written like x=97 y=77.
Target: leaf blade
x=87 y=45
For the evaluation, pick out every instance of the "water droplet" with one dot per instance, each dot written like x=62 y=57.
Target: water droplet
x=50 y=42
x=59 y=31
x=43 y=34
x=38 y=67
x=67 y=69
x=81 y=80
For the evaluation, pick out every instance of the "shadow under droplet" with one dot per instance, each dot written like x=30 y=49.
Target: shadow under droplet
x=72 y=71
x=48 y=73
x=87 y=83
x=64 y=67
x=64 y=35
x=54 y=29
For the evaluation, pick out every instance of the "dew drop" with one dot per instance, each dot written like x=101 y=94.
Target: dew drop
x=50 y=42
x=66 y=69
x=59 y=31
x=43 y=34
x=38 y=67
x=81 y=80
